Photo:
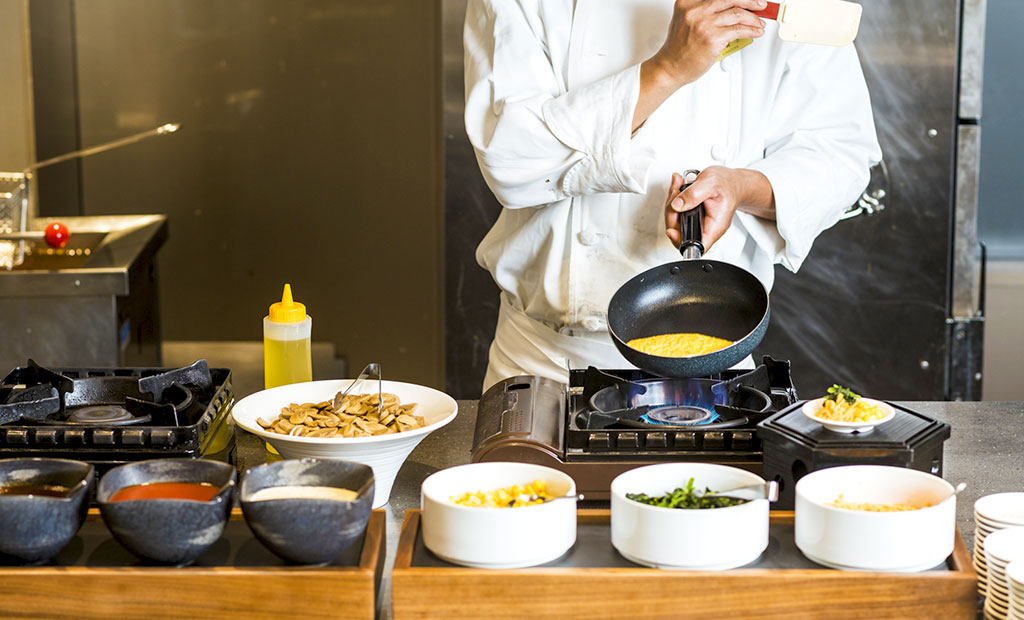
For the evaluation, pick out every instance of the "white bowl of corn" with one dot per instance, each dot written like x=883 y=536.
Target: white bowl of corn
x=498 y=515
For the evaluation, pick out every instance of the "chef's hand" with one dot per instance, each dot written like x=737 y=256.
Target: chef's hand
x=722 y=190
x=700 y=30
x=697 y=34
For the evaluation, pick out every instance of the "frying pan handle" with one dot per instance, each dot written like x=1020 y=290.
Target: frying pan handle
x=690 y=225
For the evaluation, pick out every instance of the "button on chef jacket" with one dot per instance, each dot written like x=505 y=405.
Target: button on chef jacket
x=551 y=86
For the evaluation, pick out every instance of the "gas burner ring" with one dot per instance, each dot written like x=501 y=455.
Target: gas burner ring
x=109 y=415
x=680 y=415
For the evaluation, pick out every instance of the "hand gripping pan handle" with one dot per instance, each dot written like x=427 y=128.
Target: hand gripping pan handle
x=691 y=224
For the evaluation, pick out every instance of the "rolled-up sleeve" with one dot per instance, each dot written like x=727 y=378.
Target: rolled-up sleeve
x=536 y=141
x=820 y=144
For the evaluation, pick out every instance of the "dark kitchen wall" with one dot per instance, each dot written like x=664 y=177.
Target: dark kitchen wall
x=309 y=153
x=471 y=298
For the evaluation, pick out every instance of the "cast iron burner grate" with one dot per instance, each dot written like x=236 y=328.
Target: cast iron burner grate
x=530 y=419
x=104 y=414
x=679 y=415
x=115 y=415
x=630 y=412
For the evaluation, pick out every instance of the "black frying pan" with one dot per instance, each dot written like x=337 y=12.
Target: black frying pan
x=693 y=295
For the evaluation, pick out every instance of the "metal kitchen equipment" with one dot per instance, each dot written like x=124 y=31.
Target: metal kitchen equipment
x=90 y=304
x=110 y=416
x=594 y=429
x=16 y=193
x=905 y=271
x=13 y=216
x=795 y=445
x=908 y=271
x=370 y=372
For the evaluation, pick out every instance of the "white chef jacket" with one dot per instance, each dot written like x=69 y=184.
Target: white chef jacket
x=551 y=87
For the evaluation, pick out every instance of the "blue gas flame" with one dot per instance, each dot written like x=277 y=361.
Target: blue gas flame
x=702 y=393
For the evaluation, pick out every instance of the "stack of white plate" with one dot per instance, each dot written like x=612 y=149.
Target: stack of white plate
x=992 y=513
x=1001 y=548
x=1015 y=577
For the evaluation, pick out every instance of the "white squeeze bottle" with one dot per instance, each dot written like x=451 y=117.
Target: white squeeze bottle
x=286 y=346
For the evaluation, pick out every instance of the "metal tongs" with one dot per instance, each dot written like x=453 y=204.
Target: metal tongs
x=371 y=371
x=106 y=146
x=35 y=235
x=769 y=491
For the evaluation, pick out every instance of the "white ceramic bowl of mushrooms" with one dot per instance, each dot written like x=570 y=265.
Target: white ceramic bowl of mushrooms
x=385 y=453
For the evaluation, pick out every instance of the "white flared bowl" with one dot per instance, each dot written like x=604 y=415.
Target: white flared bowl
x=676 y=538
x=813 y=406
x=384 y=453
x=497 y=537
x=908 y=541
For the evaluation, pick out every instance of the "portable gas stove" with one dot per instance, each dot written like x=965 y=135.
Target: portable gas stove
x=606 y=422
x=609 y=421
x=111 y=416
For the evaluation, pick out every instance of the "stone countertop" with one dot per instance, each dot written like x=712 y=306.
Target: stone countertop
x=986 y=450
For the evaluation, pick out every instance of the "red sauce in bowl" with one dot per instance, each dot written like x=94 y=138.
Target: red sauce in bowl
x=195 y=491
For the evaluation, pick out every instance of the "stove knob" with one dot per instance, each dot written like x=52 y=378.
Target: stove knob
x=686 y=440
x=657 y=440
x=134 y=437
x=714 y=440
x=628 y=441
x=46 y=436
x=599 y=441
x=17 y=436
x=162 y=438
x=103 y=438
x=74 y=438
x=742 y=440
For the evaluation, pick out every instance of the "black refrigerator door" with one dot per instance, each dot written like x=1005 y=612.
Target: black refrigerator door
x=868 y=308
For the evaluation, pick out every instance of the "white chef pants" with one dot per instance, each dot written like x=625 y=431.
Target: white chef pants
x=525 y=346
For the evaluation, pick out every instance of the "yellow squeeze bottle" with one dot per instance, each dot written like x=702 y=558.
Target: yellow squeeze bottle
x=286 y=348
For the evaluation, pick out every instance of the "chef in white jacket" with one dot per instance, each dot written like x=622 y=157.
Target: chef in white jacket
x=582 y=113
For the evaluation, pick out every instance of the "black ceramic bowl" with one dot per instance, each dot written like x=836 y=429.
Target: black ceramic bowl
x=308 y=531
x=34 y=528
x=172 y=531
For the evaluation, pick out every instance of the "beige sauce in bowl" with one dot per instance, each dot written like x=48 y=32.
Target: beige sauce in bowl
x=303 y=492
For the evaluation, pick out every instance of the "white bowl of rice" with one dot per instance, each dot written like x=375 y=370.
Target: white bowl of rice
x=875 y=518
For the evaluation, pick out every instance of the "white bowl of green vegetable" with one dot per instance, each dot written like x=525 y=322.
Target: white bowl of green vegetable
x=699 y=531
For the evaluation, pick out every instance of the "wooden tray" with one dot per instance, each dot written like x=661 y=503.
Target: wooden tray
x=593 y=580
x=95 y=577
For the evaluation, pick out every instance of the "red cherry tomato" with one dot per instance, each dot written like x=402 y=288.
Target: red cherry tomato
x=57 y=235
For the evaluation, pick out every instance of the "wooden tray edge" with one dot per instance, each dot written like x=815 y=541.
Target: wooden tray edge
x=197 y=591
x=419 y=591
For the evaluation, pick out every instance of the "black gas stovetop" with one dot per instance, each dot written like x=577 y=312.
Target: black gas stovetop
x=109 y=416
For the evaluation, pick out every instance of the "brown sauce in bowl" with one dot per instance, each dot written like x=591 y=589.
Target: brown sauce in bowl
x=43 y=490
x=194 y=491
